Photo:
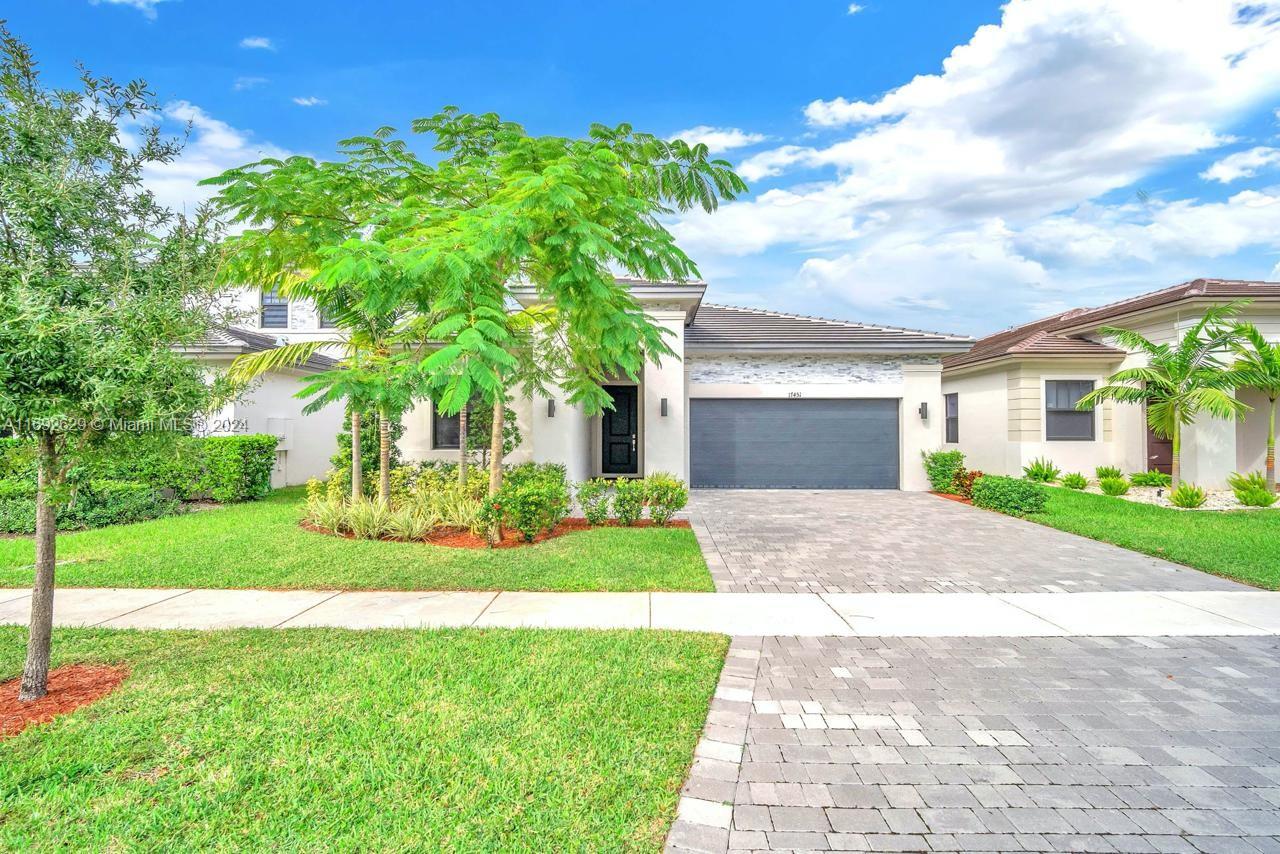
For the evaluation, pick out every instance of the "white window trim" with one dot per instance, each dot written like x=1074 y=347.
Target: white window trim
x=1045 y=379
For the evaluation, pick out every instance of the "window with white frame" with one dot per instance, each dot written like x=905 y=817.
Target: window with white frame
x=1062 y=421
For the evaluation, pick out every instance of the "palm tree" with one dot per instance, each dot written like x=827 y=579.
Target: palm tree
x=1258 y=367
x=1180 y=380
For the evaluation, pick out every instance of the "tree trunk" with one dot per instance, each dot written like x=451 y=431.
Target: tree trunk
x=357 y=473
x=35 y=675
x=1176 y=467
x=495 y=464
x=462 y=448
x=1271 y=447
x=495 y=447
x=384 y=456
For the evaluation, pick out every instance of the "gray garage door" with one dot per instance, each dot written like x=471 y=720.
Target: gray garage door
x=803 y=444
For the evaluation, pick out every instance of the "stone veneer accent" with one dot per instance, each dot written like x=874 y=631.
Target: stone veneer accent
x=799 y=368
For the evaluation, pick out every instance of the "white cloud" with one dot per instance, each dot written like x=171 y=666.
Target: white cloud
x=146 y=7
x=1242 y=164
x=243 y=83
x=719 y=139
x=212 y=147
x=1058 y=104
x=854 y=8
x=310 y=101
x=257 y=43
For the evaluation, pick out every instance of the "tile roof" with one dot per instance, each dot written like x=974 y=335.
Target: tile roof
x=234 y=340
x=1052 y=336
x=726 y=328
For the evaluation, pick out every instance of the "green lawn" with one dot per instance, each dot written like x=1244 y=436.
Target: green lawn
x=325 y=739
x=1243 y=545
x=259 y=544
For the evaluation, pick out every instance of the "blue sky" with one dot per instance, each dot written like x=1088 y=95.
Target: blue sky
x=959 y=166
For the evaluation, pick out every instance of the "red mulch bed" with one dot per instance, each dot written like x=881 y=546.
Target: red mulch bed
x=956 y=498
x=462 y=539
x=70 y=687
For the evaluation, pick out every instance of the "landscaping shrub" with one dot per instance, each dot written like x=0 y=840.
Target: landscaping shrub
x=941 y=467
x=411 y=522
x=628 y=500
x=532 y=506
x=367 y=518
x=17 y=459
x=1252 y=480
x=94 y=505
x=595 y=500
x=17 y=516
x=525 y=473
x=1188 y=496
x=1107 y=471
x=162 y=460
x=1041 y=470
x=665 y=494
x=429 y=477
x=1114 y=485
x=1075 y=480
x=1256 y=497
x=963 y=480
x=1151 y=478
x=16 y=488
x=1251 y=489
x=1010 y=495
x=239 y=467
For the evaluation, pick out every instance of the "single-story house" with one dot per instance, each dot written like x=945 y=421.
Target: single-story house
x=270 y=405
x=1011 y=398
x=752 y=398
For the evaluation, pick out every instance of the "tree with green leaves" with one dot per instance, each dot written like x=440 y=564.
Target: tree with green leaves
x=100 y=287
x=318 y=230
x=1257 y=366
x=1179 y=382
x=561 y=216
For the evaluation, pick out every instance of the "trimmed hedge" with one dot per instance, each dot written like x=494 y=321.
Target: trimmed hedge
x=238 y=468
x=101 y=503
x=1010 y=495
x=226 y=468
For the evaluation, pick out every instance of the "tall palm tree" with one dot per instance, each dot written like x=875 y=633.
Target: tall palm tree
x=1180 y=380
x=1258 y=367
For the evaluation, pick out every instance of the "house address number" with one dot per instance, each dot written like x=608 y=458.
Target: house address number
x=794 y=394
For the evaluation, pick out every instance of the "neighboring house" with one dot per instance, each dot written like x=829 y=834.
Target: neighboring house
x=752 y=399
x=1011 y=398
x=270 y=406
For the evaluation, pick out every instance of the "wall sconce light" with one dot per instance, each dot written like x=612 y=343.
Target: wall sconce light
x=924 y=411
x=664 y=407
x=551 y=408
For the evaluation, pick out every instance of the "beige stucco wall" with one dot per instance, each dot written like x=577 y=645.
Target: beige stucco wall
x=270 y=406
x=1002 y=416
x=1212 y=448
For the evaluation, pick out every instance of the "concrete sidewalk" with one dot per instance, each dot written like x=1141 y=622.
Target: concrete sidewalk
x=1126 y=614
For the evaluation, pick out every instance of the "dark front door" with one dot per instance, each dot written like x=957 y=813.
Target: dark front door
x=620 y=432
x=1159 y=451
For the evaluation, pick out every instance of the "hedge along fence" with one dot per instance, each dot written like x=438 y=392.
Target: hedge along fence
x=130 y=478
x=225 y=468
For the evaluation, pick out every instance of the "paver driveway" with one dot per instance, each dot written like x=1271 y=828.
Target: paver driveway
x=860 y=541
x=1017 y=744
